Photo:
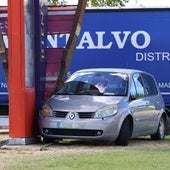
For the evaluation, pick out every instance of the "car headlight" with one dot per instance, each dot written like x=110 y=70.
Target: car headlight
x=106 y=111
x=46 y=110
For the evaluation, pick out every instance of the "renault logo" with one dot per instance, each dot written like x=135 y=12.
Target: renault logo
x=72 y=116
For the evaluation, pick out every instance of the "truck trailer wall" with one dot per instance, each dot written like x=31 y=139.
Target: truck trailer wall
x=125 y=38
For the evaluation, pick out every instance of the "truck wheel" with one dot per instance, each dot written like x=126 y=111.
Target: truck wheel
x=160 y=134
x=123 y=137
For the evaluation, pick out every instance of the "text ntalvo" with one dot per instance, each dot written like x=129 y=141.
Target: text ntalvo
x=99 y=40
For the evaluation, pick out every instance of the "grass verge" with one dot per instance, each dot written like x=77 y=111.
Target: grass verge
x=107 y=160
x=139 y=155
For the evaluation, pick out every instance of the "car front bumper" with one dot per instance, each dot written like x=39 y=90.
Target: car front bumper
x=104 y=129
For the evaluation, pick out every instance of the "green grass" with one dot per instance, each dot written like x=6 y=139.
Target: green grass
x=109 y=160
x=96 y=158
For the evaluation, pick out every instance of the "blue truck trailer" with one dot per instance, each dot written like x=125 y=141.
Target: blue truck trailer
x=3 y=86
x=136 y=38
x=3 y=92
x=3 y=65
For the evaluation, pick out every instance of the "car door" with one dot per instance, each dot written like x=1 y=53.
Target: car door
x=140 y=107
x=153 y=99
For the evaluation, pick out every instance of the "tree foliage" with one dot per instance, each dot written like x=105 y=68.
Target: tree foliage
x=93 y=3
x=104 y=3
x=57 y=2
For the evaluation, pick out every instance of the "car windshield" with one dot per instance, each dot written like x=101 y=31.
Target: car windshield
x=96 y=83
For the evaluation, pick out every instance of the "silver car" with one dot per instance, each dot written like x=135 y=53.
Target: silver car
x=105 y=104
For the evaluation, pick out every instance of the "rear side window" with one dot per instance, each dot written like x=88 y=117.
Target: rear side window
x=149 y=84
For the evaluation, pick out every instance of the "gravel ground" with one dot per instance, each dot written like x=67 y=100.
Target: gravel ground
x=74 y=146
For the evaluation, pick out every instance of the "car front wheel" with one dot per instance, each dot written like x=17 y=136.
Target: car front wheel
x=123 y=137
x=160 y=134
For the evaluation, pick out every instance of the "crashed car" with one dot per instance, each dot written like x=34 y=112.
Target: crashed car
x=106 y=104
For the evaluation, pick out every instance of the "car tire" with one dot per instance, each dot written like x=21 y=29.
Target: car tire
x=160 y=134
x=123 y=137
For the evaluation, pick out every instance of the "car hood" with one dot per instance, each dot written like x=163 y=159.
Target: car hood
x=83 y=102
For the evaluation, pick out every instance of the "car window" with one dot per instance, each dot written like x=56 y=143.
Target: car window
x=140 y=90
x=150 y=85
x=133 y=92
x=108 y=83
x=77 y=87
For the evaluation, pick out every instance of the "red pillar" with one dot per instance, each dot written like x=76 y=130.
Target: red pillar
x=21 y=95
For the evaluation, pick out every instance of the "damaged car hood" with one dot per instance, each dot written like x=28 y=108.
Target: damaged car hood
x=83 y=102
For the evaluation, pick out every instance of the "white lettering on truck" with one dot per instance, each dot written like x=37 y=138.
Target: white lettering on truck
x=54 y=39
x=87 y=39
x=3 y=85
x=153 y=56
x=164 y=85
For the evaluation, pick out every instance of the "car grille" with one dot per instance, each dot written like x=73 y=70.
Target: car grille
x=82 y=115
x=60 y=114
x=85 y=115
x=72 y=132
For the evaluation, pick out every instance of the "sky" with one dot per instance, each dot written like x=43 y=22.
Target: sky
x=132 y=3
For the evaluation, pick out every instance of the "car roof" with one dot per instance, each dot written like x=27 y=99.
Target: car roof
x=121 y=70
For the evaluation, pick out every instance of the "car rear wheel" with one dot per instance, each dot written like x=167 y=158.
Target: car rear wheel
x=160 y=134
x=123 y=137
